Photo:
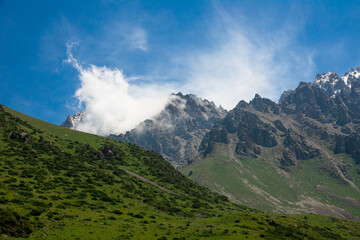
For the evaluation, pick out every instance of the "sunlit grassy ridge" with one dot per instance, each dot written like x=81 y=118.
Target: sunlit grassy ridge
x=58 y=183
x=60 y=132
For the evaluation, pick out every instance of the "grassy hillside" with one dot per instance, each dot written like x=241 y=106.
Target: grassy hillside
x=58 y=183
x=262 y=183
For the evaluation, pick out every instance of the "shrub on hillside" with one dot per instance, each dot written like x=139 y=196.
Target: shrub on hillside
x=12 y=224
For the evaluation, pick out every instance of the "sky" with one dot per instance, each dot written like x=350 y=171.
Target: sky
x=120 y=60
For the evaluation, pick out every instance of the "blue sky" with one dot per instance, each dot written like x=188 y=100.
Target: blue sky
x=221 y=50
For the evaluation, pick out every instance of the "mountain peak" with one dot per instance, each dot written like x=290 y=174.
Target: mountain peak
x=331 y=83
x=353 y=74
x=257 y=96
x=176 y=132
x=327 y=77
x=179 y=94
x=73 y=120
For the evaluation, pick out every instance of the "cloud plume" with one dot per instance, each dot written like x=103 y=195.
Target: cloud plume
x=112 y=103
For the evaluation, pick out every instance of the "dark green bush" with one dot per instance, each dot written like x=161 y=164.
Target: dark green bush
x=12 y=224
x=117 y=212
x=36 y=212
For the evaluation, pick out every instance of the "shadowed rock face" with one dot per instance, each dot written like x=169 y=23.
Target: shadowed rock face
x=296 y=148
x=264 y=105
x=349 y=144
x=177 y=131
x=243 y=121
x=247 y=126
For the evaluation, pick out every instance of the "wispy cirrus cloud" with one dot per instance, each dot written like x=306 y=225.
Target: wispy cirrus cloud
x=243 y=61
x=119 y=37
x=137 y=39
x=113 y=40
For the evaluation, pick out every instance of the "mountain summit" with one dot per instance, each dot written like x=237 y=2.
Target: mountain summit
x=177 y=131
x=73 y=121
x=332 y=83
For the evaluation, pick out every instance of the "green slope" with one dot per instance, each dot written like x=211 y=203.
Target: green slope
x=55 y=130
x=58 y=183
x=262 y=183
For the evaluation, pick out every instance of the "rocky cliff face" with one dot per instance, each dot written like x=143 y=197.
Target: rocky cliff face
x=333 y=116
x=252 y=133
x=177 y=131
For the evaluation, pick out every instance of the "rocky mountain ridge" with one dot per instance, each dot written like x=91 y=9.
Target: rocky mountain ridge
x=177 y=131
x=174 y=133
x=332 y=82
x=314 y=111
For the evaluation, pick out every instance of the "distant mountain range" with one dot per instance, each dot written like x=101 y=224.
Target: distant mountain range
x=176 y=132
x=297 y=155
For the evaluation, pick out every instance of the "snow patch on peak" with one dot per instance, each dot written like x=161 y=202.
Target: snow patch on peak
x=333 y=84
x=73 y=121
x=329 y=77
x=349 y=76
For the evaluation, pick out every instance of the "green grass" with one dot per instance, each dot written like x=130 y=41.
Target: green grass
x=61 y=132
x=263 y=184
x=62 y=184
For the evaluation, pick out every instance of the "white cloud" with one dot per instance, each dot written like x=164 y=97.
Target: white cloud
x=243 y=62
x=112 y=104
